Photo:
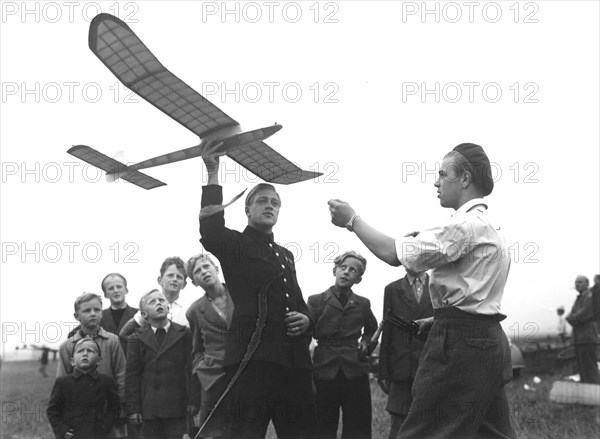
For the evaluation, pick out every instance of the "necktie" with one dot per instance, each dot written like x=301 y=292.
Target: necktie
x=343 y=299
x=160 y=335
x=418 y=287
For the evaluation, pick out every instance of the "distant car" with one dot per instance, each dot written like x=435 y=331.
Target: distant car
x=516 y=357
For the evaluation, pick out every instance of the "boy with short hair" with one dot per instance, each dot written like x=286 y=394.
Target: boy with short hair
x=343 y=327
x=114 y=287
x=159 y=390
x=172 y=280
x=88 y=311
x=85 y=403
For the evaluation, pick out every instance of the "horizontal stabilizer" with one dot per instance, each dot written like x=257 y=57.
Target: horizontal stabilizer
x=113 y=168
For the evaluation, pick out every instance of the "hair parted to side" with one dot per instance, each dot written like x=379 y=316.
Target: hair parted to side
x=144 y=298
x=110 y=275
x=191 y=263
x=173 y=260
x=339 y=260
x=256 y=189
x=86 y=297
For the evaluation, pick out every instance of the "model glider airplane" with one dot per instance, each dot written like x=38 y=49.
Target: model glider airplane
x=137 y=68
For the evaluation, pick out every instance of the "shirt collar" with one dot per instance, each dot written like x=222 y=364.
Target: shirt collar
x=336 y=294
x=259 y=236
x=470 y=204
x=411 y=278
x=100 y=334
x=166 y=328
x=77 y=373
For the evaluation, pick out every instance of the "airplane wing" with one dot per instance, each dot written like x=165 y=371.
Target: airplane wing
x=115 y=44
x=268 y=164
x=112 y=166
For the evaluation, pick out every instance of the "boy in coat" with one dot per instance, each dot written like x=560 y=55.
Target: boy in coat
x=340 y=360
x=408 y=298
x=84 y=404
x=159 y=391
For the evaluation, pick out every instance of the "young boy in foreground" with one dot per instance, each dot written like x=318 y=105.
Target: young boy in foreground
x=85 y=403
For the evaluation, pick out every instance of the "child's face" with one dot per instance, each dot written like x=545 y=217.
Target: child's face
x=205 y=274
x=115 y=290
x=89 y=314
x=85 y=357
x=156 y=307
x=172 y=281
x=348 y=273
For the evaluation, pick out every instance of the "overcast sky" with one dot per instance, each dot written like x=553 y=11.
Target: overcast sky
x=372 y=94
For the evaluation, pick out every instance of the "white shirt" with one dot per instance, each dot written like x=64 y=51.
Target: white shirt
x=468 y=256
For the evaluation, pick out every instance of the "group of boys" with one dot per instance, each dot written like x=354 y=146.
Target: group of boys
x=266 y=361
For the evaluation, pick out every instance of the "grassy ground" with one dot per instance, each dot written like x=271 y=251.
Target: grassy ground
x=24 y=395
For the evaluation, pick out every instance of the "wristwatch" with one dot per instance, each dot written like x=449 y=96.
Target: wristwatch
x=350 y=223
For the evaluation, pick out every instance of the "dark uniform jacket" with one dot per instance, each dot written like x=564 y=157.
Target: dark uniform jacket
x=159 y=378
x=399 y=353
x=88 y=404
x=583 y=321
x=252 y=261
x=108 y=323
x=337 y=330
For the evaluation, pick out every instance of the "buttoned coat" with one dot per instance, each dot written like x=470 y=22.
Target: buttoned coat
x=86 y=403
x=158 y=381
x=252 y=261
x=400 y=352
x=337 y=330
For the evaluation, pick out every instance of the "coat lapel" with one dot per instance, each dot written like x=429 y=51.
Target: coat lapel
x=148 y=338
x=333 y=301
x=174 y=333
x=406 y=294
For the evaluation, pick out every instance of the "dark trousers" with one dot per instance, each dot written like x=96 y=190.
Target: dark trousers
x=587 y=362
x=164 y=428
x=266 y=392
x=353 y=397
x=458 y=391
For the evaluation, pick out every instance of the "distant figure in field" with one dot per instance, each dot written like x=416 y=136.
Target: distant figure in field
x=561 y=328
x=83 y=404
x=596 y=297
x=400 y=352
x=343 y=327
x=44 y=361
x=114 y=286
x=585 y=332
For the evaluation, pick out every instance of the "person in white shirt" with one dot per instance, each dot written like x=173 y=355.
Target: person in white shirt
x=459 y=387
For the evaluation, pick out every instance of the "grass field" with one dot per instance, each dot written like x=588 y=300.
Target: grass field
x=24 y=395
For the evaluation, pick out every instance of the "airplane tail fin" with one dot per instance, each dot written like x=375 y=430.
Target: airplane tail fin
x=113 y=168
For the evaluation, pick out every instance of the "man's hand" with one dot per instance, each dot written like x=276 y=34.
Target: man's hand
x=296 y=323
x=134 y=418
x=363 y=350
x=210 y=157
x=385 y=386
x=69 y=434
x=424 y=325
x=341 y=212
